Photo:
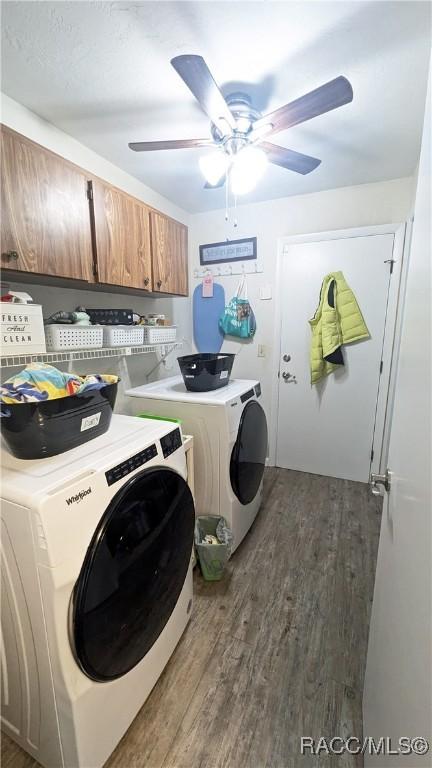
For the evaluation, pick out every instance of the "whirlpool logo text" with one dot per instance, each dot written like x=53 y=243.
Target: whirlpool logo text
x=78 y=496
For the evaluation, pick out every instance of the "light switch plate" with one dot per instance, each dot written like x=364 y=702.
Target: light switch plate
x=261 y=350
x=265 y=292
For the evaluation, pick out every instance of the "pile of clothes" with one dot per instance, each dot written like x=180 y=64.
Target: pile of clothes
x=39 y=382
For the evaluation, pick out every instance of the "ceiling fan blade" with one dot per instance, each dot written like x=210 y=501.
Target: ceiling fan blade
x=287 y=158
x=323 y=99
x=151 y=146
x=220 y=183
x=195 y=73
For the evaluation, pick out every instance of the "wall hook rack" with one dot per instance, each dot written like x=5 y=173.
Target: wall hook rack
x=227 y=270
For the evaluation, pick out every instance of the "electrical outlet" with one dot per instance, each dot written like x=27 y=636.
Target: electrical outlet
x=261 y=350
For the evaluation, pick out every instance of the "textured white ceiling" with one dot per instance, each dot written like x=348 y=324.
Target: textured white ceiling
x=101 y=71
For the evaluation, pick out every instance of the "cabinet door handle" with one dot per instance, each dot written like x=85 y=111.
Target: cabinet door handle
x=11 y=255
x=146 y=280
x=159 y=283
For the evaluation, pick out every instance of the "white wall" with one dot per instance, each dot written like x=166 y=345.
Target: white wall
x=24 y=121
x=364 y=205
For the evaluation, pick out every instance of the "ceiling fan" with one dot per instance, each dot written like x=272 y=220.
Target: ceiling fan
x=239 y=131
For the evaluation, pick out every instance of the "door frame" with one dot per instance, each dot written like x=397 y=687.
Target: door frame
x=401 y=235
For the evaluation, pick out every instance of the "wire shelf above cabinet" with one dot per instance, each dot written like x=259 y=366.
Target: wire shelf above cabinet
x=88 y=354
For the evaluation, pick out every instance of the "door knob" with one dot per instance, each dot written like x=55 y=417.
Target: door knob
x=289 y=378
x=286 y=358
x=377 y=480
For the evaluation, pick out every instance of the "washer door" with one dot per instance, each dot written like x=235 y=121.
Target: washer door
x=249 y=453
x=133 y=573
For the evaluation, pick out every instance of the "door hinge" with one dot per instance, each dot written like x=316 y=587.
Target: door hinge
x=381 y=367
x=372 y=454
x=89 y=191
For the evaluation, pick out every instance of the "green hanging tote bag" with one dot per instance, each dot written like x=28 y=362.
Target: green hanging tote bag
x=238 y=318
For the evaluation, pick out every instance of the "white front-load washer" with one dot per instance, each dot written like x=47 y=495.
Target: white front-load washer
x=97 y=587
x=230 y=443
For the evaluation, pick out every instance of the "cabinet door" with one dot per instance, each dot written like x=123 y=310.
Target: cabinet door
x=45 y=212
x=122 y=238
x=169 y=255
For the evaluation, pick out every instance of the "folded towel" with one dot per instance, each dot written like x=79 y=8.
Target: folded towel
x=39 y=382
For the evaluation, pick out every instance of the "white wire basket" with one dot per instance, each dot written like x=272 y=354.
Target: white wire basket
x=60 y=337
x=157 y=334
x=123 y=335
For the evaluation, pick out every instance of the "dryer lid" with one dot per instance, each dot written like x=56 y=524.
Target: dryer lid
x=23 y=481
x=174 y=389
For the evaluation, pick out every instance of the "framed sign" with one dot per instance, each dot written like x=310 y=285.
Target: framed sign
x=230 y=250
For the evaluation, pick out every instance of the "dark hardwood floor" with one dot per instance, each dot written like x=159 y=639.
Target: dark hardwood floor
x=276 y=650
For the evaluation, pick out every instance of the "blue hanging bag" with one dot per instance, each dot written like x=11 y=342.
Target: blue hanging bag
x=238 y=318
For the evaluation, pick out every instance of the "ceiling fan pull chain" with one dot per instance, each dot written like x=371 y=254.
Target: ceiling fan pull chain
x=226 y=199
x=235 y=211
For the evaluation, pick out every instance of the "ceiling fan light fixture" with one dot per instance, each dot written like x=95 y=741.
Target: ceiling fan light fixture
x=213 y=166
x=247 y=169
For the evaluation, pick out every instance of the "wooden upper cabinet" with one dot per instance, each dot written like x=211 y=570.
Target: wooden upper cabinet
x=169 y=255
x=58 y=221
x=45 y=225
x=121 y=231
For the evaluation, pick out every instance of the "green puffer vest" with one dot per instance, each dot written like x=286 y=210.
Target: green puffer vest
x=333 y=326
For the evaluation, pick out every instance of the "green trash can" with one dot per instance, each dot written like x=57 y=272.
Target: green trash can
x=212 y=557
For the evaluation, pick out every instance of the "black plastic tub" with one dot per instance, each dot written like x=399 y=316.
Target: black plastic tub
x=206 y=371
x=39 y=430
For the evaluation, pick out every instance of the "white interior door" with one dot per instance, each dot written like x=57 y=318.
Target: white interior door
x=398 y=681
x=328 y=429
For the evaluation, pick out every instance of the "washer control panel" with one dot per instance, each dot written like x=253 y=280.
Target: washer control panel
x=170 y=442
x=121 y=470
x=247 y=395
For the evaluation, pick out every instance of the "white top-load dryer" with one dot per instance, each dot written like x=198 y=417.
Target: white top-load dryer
x=230 y=443
x=97 y=587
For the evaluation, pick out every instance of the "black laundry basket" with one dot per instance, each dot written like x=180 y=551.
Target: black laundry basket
x=206 y=371
x=39 y=430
